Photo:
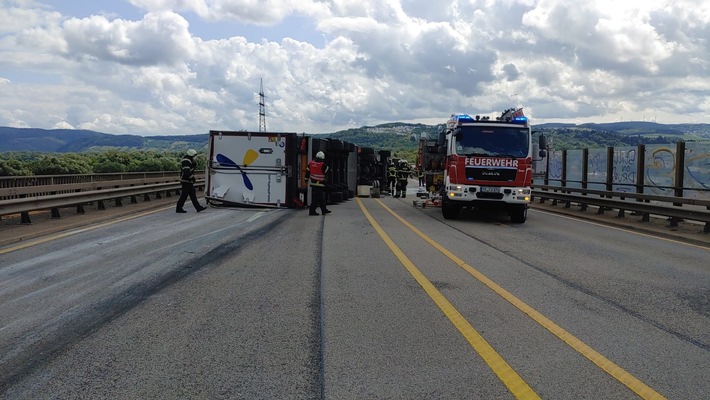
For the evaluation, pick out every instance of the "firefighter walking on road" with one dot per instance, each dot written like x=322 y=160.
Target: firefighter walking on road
x=316 y=173
x=403 y=172
x=187 y=181
x=391 y=176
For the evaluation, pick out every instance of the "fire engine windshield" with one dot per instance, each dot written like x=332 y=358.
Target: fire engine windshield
x=492 y=141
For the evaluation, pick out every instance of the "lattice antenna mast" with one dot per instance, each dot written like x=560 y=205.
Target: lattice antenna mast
x=262 y=108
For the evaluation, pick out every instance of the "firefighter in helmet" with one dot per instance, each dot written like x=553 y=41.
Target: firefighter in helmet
x=187 y=181
x=403 y=172
x=391 y=176
x=316 y=173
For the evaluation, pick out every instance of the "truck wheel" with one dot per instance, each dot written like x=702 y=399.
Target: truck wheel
x=519 y=214
x=449 y=210
x=368 y=158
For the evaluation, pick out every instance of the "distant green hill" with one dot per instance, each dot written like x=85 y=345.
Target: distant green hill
x=76 y=141
x=396 y=136
x=630 y=133
x=393 y=136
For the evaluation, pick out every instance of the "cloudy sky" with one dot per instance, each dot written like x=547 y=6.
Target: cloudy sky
x=167 y=67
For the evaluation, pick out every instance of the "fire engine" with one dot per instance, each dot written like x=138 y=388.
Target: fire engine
x=484 y=163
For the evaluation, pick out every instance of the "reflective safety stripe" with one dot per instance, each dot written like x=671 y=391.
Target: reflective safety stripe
x=316 y=169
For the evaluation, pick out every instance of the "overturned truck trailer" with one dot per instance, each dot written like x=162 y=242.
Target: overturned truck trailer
x=267 y=169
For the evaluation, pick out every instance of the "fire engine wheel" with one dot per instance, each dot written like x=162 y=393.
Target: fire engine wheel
x=519 y=214
x=449 y=210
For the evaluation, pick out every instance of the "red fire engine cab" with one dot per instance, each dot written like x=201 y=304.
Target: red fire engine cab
x=488 y=164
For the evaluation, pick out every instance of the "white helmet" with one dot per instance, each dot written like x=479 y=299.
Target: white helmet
x=320 y=155
x=191 y=153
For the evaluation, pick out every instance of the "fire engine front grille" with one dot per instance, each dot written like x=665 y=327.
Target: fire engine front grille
x=491 y=174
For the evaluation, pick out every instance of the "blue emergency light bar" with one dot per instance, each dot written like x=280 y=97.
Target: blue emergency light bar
x=463 y=118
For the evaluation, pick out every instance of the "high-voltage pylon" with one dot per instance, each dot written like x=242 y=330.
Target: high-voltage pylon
x=262 y=108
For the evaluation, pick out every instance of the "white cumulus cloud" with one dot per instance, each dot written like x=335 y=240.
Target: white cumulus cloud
x=188 y=66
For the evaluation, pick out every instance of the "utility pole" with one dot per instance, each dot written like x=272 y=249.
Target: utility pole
x=262 y=108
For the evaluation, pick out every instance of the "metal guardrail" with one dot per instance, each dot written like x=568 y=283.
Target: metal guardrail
x=24 y=199
x=667 y=206
x=40 y=185
x=79 y=190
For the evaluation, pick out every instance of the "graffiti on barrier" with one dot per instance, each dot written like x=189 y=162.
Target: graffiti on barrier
x=697 y=171
x=625 y=166
x=555 y=169
x=660 y=171
x=658 y=164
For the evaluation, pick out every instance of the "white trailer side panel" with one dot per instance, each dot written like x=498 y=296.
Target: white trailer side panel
x=247 y=168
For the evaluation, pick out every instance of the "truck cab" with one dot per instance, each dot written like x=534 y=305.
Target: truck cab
x=488 y=164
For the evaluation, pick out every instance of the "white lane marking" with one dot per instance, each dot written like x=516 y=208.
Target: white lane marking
x=619 y=229
x=257 y=215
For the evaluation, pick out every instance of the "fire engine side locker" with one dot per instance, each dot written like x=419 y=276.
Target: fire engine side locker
x=252 y=169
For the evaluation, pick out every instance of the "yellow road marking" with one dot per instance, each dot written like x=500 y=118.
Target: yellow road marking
x=76 y=231
x=640 y=388
x=498 y=365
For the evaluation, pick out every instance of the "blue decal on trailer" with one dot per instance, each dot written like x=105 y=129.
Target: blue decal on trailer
x=226 y=161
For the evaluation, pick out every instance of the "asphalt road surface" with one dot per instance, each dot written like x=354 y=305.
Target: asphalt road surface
x=379 y=299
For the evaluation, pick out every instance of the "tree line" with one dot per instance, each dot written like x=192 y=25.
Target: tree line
x=578 y=139
x=109 y=161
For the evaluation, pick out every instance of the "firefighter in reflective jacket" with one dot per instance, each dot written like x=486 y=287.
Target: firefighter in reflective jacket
x=403 y=172
x=391 y=176
x=316 y=173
